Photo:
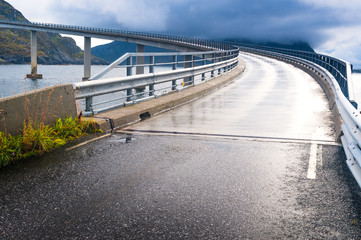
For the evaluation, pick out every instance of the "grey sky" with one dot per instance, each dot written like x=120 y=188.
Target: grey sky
x=331 y=26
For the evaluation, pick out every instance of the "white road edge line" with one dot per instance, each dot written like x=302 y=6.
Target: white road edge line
x=320 y=155
x=255 y=139
x=86 y=142
x=312 y=162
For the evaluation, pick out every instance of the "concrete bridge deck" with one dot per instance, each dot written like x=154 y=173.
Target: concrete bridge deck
x=272 y=99
x=256 y=159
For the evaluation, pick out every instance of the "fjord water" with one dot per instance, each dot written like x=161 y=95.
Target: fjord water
x=13 y=81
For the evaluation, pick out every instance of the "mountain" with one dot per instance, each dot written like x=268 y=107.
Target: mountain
x=52 y=47
x=298 y=45
x=114 y=50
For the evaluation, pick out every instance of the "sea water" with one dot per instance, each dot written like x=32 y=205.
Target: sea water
x=13 y=81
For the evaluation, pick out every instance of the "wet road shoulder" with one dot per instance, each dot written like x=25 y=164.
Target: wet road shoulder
x=162 y=187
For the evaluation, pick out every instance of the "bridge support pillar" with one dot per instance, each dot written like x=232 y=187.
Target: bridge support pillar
x=151 y=70
x=87 y=71
x=139 y=60
x=34 y=57
x=87 y=58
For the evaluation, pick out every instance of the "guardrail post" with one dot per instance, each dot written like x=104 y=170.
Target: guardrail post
x=129 y=73
x=219 y=60
x=151 y=70
x=225 y=57
x=188 y=61
x=228 y=58
x=213 y=61
x=174 y=67
x=34 y=57
x=151 y=64
x=204 y=63
x=193 y=65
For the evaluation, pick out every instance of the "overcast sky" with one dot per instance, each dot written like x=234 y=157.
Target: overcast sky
x=330 y=26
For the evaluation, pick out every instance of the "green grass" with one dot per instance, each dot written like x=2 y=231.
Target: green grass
x=36 y=140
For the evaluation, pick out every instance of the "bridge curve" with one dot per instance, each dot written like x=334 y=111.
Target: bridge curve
x=149 y=181
x=204 y=183
x=271 y=100
x=336 y=73
x=176 y=43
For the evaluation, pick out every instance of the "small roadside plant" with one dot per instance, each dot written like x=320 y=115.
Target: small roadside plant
x=38 y=139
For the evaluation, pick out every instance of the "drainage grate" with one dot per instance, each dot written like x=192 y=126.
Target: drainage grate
x=144 y=116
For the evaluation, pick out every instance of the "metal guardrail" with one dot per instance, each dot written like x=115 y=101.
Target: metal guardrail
x=351 y=140
x=185 y=69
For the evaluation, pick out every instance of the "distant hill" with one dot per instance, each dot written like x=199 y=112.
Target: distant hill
x=299 y=45
x=52 y=48
x=114 y=50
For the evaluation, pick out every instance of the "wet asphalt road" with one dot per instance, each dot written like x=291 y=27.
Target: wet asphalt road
x=231 y=180
x=272 y=99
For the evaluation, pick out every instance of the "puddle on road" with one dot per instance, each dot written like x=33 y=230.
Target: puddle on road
x=128 y=138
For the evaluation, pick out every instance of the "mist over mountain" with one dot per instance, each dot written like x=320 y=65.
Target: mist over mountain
x=297 y=45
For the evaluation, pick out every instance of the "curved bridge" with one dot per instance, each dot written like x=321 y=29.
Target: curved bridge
x=241 y=162
x=175 y=43
x=337 y=74
x=182 y=44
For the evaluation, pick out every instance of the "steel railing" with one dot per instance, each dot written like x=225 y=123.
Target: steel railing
x=184 y=70
x=338 y=75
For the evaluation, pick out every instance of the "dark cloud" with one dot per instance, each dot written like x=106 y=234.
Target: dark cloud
x=328 y=26
x=276 y=20
x=280 y=20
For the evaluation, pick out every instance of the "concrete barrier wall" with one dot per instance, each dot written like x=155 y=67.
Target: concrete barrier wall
x=39 y=106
